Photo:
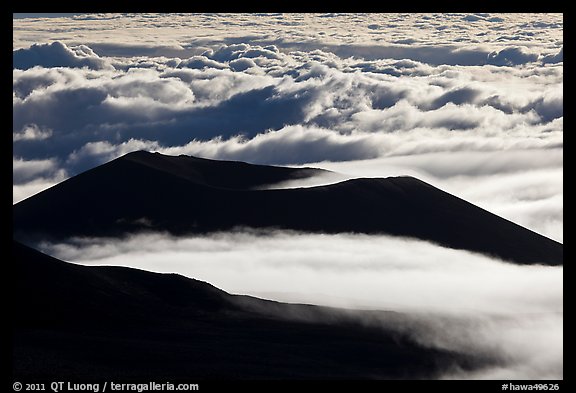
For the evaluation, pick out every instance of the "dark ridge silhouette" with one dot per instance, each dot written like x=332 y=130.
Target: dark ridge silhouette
x=183 y=195
x=222 y=174
x=119 y=323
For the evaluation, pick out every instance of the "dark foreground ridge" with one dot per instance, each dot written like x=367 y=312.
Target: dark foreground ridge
x=143 y=191
x=86 y=323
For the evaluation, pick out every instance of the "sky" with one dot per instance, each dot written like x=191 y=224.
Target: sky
x=471 y=103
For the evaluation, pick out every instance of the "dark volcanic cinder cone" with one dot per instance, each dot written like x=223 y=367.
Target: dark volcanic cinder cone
x=185 y=195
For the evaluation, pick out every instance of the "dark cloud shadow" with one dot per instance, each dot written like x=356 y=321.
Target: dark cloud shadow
x=459 y=96
x=56 y=54
x=511 y=56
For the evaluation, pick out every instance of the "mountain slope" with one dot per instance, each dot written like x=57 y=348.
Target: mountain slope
x=144 y=191
x=122 y=323
x=222 y=174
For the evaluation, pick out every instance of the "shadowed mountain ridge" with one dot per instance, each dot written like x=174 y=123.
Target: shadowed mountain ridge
x=122 y=323
x=184 y=195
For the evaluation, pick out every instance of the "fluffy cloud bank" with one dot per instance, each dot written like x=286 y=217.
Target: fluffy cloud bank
x=57 y=54
x=246 y=90
x=440 y=38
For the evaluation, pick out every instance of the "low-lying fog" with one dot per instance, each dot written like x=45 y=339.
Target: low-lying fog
x=458 y=300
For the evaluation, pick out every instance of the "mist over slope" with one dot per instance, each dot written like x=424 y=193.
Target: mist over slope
x=102 y=322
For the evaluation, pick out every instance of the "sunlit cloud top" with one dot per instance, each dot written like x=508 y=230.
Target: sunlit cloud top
x=363 y=33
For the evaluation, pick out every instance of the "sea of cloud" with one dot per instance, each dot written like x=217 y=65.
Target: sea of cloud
x=471 y=103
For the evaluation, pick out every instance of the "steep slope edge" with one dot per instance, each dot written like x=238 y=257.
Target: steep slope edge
x=121 y=323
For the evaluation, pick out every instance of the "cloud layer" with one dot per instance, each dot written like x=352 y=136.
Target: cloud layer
x=447 y=37
x=56 y=54
x=360 y=270
x=454 y=299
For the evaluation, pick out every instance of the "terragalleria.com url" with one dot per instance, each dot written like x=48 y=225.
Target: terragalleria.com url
x=153 y=386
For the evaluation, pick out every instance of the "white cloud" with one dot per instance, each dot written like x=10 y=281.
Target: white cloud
x=529 y=346
x=57 y=54
x=95 y=153
x=174 y=106
x=32 y=176
x=23 y=170
x=23 y=191
x=292 y=144
x=511 y=56
x=178 y=33
x=356 y=270
x=201 y=62
x=32 y=132
x=450 y=299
